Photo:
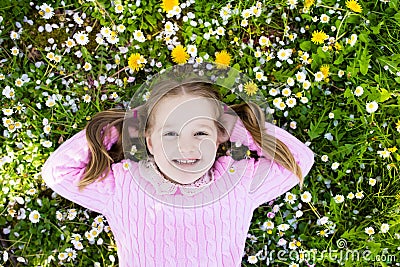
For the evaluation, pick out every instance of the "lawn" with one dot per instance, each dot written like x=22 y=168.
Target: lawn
x=330 y=70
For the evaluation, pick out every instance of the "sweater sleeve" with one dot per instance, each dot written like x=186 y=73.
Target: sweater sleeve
x=270 y=179
x=66 y=166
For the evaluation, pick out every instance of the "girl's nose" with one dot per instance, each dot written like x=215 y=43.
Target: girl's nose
x=187 y=144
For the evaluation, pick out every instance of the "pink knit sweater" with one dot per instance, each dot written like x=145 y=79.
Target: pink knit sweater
x=149 y=231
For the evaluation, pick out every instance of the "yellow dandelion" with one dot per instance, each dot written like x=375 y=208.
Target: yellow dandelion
x=392 y=149
x=398 y=126
x=168 y=5
x=179 y=55
x=135 y=62
x=338 y=46
x=308 y=3
x=222 y=59
x=250 y=88
x=353 y=5
x=325 y=70
x=318 y=37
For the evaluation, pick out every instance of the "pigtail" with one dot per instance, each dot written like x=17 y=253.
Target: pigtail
x=254 y=120
x=100 y=159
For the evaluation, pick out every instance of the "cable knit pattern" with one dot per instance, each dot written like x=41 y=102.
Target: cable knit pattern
x=149 y=232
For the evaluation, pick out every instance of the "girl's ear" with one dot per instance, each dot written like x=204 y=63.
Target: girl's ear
x=149 y=145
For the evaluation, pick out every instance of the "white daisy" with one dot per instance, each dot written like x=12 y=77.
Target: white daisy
x=34 y=216
x=372 y=107
x=81 y=38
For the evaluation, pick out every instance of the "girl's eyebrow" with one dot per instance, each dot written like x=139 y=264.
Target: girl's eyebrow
x=169 y=126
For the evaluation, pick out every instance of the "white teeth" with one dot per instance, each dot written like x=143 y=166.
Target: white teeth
x=190 y=161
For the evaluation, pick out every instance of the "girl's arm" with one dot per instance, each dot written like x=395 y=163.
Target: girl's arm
x=65 y=167
x=270 y=179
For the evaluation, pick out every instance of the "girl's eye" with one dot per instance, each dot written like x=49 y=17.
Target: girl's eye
x=170 y=134
x=201 y=133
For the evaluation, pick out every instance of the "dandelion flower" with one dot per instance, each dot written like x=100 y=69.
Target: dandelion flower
x=168 y=5
x=318 y=37
x=354 y=6
x=250 y=88
x=325 y=70
x=308 y=3
x=398 y=126
x=222 y=59
x=179 y=55
x=134 y=62
x=372 y=107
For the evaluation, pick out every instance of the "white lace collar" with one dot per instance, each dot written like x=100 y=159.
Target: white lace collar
x=150 y=172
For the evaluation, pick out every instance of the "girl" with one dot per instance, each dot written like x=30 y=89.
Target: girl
x=183 y=204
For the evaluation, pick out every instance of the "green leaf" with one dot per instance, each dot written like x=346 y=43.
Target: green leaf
x=364 y=61
x=151 y=19
x=397 y=16
x=348 y=93
x=306 y=45
x=384 y=95
x=316 y=130
x=364 y=37
x=376 y=29
x=394 y=4
x=321 y=53
x=339 y=60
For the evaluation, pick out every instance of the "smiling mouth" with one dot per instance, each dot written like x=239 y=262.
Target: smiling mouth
x=186 y=161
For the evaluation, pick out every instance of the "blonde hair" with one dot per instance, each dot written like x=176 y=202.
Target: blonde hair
x=251 y=115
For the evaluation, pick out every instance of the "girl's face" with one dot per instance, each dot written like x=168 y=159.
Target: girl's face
x=184 y=137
